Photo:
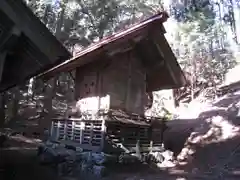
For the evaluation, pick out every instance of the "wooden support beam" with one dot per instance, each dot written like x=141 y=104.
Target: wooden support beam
x=170 y=70
x=11 y=39
x=36 y=31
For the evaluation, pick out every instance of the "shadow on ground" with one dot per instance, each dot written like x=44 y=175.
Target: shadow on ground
x=18 y=161
x=211 y=161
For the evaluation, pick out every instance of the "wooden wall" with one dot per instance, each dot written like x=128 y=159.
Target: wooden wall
x=120 y=77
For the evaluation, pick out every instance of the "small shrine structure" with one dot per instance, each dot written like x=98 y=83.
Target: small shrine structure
x=114 y=80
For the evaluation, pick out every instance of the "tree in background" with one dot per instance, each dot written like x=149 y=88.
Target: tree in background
x=200 y=44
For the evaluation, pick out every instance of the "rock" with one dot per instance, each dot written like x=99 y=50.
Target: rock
x=128 y=158
x=168 y=155
x=55 y=155
x=86 y=166
x=166 y=164
x=183 y=154
x=89 y=169
x=86 y=156
x=155 y=157
x=186 y=153
x=194 y=138
x=79 y=150
x=227 y=129
x=99 y=171
x=191 y=151
x=46 y=155
x=99 y=158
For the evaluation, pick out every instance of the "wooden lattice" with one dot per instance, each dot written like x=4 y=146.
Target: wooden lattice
x=88 y=134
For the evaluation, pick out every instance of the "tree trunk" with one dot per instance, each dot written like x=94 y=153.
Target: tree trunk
x=193 y=74
x=2 y=109
x=60 y=21
x=30 y=89
x=15 y=103
x=2 y=96
x=49 y=92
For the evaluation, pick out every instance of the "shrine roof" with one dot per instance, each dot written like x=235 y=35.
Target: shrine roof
x=145 y=33
x=105 y=43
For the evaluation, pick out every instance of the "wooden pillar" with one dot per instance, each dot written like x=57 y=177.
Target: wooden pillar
x=138 y=144
x=175 y=97
x=150 y=135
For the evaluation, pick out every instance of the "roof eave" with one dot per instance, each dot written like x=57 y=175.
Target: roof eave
x=139 y=28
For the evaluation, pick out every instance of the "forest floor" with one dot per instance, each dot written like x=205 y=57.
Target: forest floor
x=19 y=161
x=212 y=160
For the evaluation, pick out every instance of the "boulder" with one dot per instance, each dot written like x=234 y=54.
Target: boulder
x=168 y=155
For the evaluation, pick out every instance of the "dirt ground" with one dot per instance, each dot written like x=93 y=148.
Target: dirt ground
x=220 y=160
x=18 y=165
x=23 y=164
x=215 y=161
x=19 y=162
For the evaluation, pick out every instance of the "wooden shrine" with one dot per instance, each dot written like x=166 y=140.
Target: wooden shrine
x=113 y=79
